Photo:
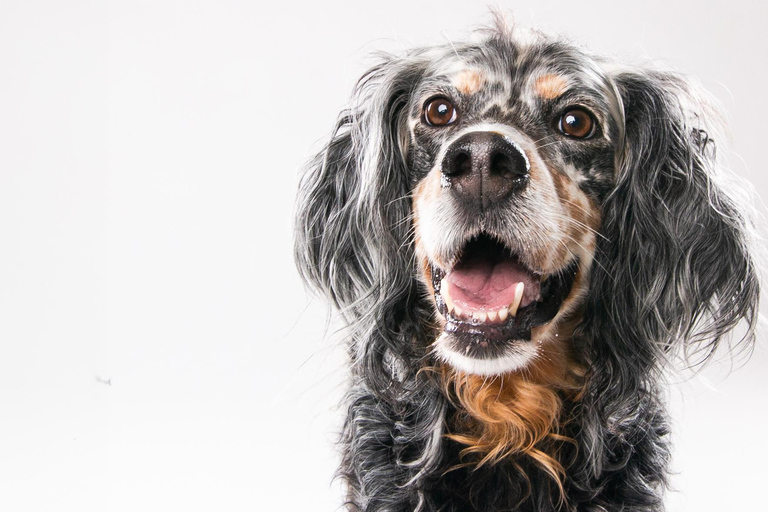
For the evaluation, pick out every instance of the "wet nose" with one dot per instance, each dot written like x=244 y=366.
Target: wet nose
x=485 y=168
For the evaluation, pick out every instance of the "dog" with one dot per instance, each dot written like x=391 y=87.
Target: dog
x=519 y=236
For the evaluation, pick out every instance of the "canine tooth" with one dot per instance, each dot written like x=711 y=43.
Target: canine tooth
x=492 y=316
x=518 y=297
x=480 y=316
x=446 y=295
x=458 y=313
x=503 y=314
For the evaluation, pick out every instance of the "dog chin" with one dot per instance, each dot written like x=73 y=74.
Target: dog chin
x=517 y=354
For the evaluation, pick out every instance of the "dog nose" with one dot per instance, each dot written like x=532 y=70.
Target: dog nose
x=485 y=168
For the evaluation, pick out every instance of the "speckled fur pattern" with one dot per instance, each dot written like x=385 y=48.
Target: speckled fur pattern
x=664 y=252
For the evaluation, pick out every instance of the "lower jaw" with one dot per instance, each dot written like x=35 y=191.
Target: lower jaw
x=471 y=357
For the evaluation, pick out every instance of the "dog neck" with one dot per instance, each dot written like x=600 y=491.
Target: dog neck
x=517 y=414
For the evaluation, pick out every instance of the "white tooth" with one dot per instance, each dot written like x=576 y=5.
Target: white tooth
x=492 y=316
x=458 y=313
x=446 y=296
x=480 y=316
x=503 y=314
x=518 y=297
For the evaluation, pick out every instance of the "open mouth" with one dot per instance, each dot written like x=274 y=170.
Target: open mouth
x=490 y=299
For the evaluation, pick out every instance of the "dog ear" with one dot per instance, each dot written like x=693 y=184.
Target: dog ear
x=354 y=209
x=673 y=268
x=675 y=265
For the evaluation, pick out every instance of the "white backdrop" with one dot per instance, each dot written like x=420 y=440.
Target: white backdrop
x=157 y=350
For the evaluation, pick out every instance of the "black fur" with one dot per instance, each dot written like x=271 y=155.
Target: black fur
x=672 y=268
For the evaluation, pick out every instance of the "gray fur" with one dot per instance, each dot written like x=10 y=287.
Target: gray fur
x=672 y=268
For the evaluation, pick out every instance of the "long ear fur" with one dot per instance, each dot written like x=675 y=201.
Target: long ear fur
x=353 y=244
x=353 y=222
x=674 y=269
x=675 y=264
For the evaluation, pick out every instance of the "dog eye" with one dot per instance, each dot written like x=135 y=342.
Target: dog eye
x=577 y=123
x=439 y=112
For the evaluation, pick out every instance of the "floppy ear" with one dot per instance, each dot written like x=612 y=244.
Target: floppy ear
x=353 y=218
x=673 y=268
x=675 y=264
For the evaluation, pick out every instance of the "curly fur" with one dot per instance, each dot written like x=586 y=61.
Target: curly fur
x=585 y=428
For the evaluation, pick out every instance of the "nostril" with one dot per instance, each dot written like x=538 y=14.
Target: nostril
x=508 y=165
x=461 y=163
x=501 y=165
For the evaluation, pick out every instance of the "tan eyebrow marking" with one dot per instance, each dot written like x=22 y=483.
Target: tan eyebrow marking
x=550 y=86
x=469 y=81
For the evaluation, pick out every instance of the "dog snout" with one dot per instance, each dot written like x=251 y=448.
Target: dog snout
x=485 y=168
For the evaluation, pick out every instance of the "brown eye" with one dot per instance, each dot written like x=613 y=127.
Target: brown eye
x=577 y=123
x=439 y=112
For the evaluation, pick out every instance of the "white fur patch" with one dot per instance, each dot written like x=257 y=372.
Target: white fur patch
x=512 y=360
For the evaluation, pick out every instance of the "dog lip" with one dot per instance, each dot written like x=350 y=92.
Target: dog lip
x=454 y=256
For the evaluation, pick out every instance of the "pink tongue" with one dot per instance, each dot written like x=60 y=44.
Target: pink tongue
x=482 y=283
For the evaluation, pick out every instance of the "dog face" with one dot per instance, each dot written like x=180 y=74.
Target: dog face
x=482 y=202
x=512 y=150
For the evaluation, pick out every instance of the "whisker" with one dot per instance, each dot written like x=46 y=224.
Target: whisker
x=543 y=138
x=548 y=144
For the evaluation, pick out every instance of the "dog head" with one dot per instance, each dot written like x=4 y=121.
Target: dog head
x=515 y=149
x=494 y=198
